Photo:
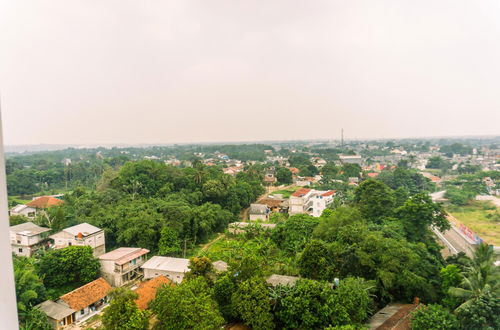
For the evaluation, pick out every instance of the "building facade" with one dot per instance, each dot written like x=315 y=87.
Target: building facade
x=27 y=237
x=122 y=265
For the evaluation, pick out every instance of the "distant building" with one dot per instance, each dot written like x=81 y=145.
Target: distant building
x=275 y=280
x=172 y=268
x=27 y=237
x=351 y=159
x=23 y=210
x=83 y=234
x=258 y=212
x=220 y=266
x=122 y=265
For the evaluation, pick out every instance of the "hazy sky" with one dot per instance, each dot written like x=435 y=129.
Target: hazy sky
x=97 y=71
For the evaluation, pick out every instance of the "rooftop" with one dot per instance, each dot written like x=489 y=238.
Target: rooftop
x=28 y=229
x=123 y=255
x=276 y=279
x=44 y=202
x=258 y=209
x=147 y=290
x=179 y=265
x=301 y=192
x=54 y=310
x=220 y=266
x=84 y=228
x=87 y=294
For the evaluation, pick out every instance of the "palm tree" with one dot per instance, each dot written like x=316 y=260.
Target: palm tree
x=482 y=277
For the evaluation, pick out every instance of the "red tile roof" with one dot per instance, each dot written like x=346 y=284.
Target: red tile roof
x=44 y=202
x=301 y=192
x=147 y=290
x=373 y=174
x=87 y=294
x=329 y=193
x=294 y=170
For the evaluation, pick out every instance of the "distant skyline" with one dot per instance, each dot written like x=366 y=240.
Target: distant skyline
x=164 y=72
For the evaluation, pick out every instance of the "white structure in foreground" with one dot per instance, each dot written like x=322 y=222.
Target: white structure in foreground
x=310 y=201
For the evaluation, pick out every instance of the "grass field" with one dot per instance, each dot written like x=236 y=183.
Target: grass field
x=286 y=192
x=482 y=217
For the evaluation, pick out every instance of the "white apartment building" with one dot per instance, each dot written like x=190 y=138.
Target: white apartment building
x=310 y=201
x=83 y=234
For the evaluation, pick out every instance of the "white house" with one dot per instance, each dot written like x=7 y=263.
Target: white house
x=88 y=299
x=258 y=212
x=27 y=237
x=24 y=210
x=310 y=201
x=122 y=265
x=351 y=159
x=172 y=268
x=83 y=234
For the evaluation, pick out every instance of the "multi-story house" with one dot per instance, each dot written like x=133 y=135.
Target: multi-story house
x=122 y=265
x=83 y=234
x=310 y=201
x=27 y=237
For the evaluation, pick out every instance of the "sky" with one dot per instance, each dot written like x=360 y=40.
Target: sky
x=182 y=71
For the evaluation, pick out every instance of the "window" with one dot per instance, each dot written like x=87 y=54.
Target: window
x=20 y=250
x=69 y=243
x=82 y=312
x=18 y=242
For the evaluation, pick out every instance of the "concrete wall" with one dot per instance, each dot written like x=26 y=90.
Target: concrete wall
x=176 y=277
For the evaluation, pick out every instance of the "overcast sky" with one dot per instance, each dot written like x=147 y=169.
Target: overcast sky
x=195 y=71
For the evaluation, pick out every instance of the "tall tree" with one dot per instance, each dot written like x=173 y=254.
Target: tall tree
x=123 y=313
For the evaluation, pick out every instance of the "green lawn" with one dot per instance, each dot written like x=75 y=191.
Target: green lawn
x=482 y=217
x=286 y=192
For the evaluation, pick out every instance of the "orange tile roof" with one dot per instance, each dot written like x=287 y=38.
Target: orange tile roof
x=294 y=170
x=87 y=294
x=301 y=192
x=373 y=174
x=329 y=193
x=44 y=202
x=147 y=290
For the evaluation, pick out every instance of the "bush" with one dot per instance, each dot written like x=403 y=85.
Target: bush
x=434 y=317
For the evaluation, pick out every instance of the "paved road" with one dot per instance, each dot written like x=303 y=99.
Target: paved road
x=458 y=242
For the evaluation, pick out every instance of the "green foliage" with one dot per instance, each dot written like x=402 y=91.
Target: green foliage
x=456 y=148
x=251 y=303
x=188 y=305
x=72 y=265
x=224 y=288
x=17 y=220
x=418 y=213
x=29 y=287
x=451 y=276
x=123 y=313
x=169 y=244
x=283 y=175
x=433 y=317
x=35 y=320
x=200 y=266
x=481 y=313
x=411 y=180
x=375 y=200
x=438 y=163
x=315 y=262
x=292 y=235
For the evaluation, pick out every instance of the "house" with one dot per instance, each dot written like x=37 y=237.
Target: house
x=258 y=212
x=146 y=291
x=275 y=203
x=59 y=315
x=122 y=265
x=27 y=237
x=351 y=159
x=24 y=210
x=394 y=317
x=87 y=299
x=284 y=280
x=83 y=234
x=44 y=202
x=220 y=266
x=270 y=178
x=310 y=201
x=172 y=268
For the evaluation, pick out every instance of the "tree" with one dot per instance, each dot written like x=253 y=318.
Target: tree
x=433 y=317
x=224 y=288
x=315 y=261
x=17 y=220
x=123 y=313
x=481 y=278
x=200 y=266
x=451 y=276
x=251 y=303
x=194 y=307
x=374 y=199
x=283 y=175
x=419 y=213
x=73 y=265
x=293 y=234
x=169 y=243
x=482 y=313
x=29 y=287
x=35 y=320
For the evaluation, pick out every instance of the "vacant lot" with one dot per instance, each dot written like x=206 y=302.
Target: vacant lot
x=482 y=217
